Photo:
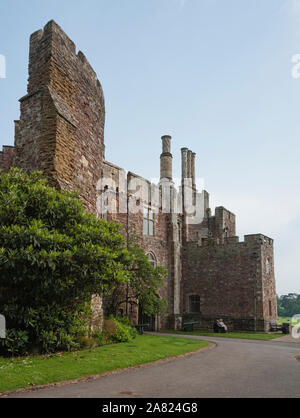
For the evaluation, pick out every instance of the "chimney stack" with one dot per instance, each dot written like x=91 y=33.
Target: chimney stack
x=184 y=161
x=193 y=170
x=166 y=158
x=189 y=161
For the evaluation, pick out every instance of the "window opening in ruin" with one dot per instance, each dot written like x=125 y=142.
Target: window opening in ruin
x=268 y=266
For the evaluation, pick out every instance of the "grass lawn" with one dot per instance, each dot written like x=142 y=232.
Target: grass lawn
x=282 y=319
x=39 y=370
x=241 y=335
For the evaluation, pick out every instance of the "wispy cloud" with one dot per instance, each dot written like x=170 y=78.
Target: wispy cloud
x=291 y=7
x=295 y=5
x=181 y=3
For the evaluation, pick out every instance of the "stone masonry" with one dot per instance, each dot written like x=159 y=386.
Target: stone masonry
x=61 y=132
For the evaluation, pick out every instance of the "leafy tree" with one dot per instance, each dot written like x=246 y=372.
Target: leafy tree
x=142 y=287
x=289 y=305
x=280 y=309
x=53 y=257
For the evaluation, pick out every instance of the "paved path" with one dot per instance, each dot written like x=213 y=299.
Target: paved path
x=287 y=338
x=235 y=368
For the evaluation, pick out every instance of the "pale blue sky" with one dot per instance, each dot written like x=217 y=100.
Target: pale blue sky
x=214 y=74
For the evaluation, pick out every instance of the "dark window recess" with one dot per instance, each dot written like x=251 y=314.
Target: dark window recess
x=194 y=304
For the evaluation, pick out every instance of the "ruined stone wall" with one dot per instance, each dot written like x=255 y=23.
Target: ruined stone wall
x=6 y=157
x=61 y=127
x=268 y=280
x=164 y=245
x=229 y=280
x=218 y=228
x=222 y=225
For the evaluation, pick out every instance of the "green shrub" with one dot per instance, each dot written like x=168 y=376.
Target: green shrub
x=15 y=342
x=53 y=258
x=126 y=321
x=118 y=330
x=86 y=342
x=100 y=338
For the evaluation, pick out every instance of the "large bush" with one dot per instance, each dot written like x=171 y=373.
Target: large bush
x=288 y=305
x=53 y=257
x=118 y=330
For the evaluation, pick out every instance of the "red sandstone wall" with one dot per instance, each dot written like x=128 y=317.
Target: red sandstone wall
x=61 y=129
x=6 y=158
x=269 y=287
x=226 y=277
x=161 y=245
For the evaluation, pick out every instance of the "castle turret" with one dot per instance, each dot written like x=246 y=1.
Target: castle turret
x=166 y=158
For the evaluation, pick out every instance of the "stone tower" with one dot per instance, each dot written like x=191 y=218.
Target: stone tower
x=61 y=128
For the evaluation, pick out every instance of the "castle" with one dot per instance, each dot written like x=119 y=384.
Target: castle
x=61 y=132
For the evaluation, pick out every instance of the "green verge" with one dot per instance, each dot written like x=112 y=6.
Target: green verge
x=240 y=335
x=30 y=371
x=282 y=319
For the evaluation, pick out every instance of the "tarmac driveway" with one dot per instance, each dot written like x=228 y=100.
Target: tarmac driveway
x=234 y=368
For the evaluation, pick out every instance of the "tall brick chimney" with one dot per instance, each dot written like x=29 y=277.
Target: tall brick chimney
x=166 y=158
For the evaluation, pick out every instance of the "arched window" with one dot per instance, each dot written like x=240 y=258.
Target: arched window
x=194 y=304
x=268 y=266
x=152 y=259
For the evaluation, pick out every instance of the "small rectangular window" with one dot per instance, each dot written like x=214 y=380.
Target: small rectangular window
x=148 y=222
x=194 y=304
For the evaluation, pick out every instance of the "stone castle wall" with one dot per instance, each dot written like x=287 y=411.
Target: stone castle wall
x=61 y=133
x=7 y=157
x=61 y=129
x=232 y=283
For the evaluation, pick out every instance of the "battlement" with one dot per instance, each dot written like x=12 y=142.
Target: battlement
x=258 y=238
